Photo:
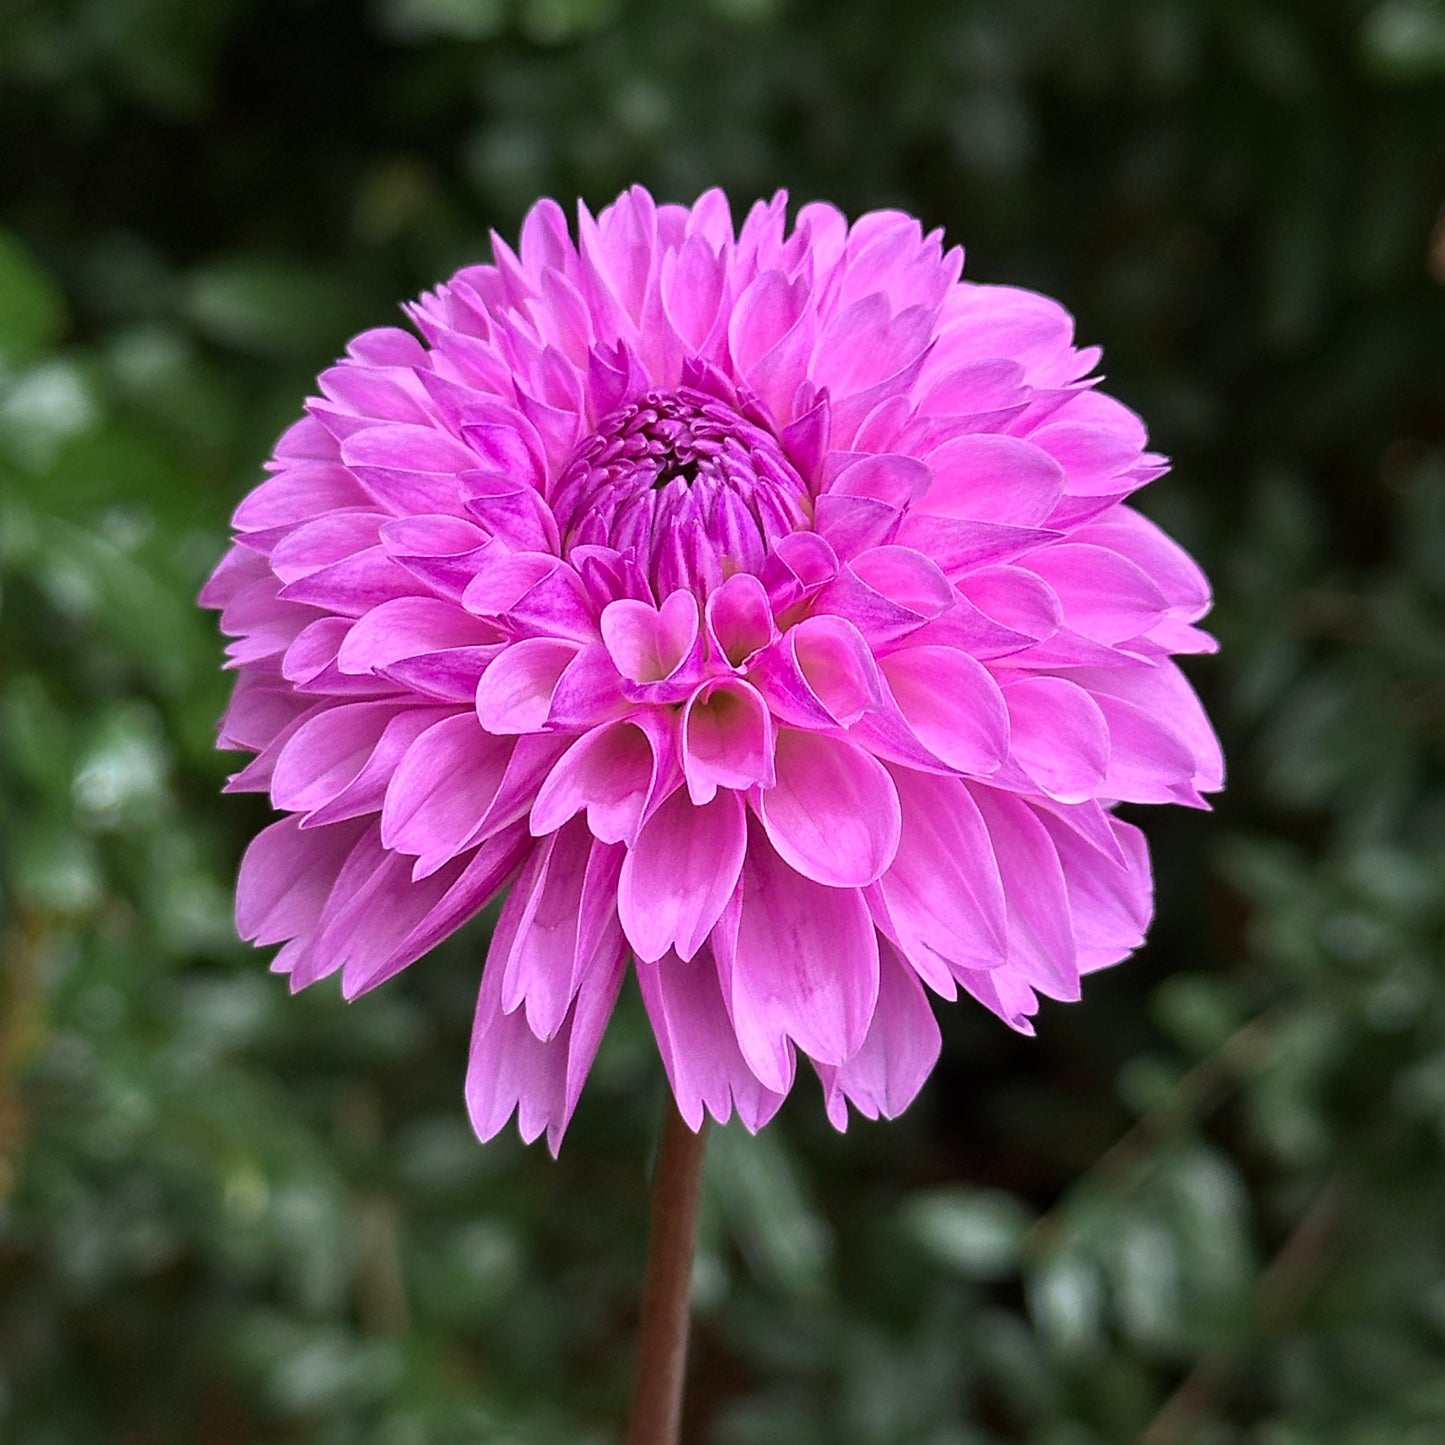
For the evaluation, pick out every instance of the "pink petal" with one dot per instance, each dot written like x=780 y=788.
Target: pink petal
x=619 y=772
x=442 y=790
x=680 y=873
x=443 y=552
x=1163 y=692
x=509 y=510
x=562 y=915
x=832 y=814
x=286 y=877
x=297 y=494
x=327 y=752
x=1040 y=933
x=510 y=1069
x=407 y=468
x=532 y=592
x=391 y=920
x=727 y=739
x=821 y=674
x=409 y=627
x=1058 y=736
x=804 y=972
x=353 y=586
x=515 y=692
x=650 y=644
x=366 y=792
x=898 y=1054
x=1014 y=598
x=952 y=705
x=1110 y=903
x=739 y=619
x=1103 y=595
x=699 y=1048
x=943 y=893
x=993 y=479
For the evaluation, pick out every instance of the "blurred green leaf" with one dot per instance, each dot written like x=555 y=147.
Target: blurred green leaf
x=32 y=310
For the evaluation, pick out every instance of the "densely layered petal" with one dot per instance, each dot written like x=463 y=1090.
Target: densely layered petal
x=767 y=604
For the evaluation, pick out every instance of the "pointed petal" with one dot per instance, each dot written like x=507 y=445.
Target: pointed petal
x=680 y=873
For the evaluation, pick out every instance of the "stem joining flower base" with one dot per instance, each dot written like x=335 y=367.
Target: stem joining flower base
x=662 y=1333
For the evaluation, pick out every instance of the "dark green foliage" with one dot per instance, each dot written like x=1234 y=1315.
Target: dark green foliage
x=1204 y=1206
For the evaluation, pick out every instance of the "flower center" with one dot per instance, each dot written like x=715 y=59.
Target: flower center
x=687 y=486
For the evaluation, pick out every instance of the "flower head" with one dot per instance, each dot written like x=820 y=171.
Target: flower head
x=761 y=604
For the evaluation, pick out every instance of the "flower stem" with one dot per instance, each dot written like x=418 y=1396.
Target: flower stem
x=662 y=1334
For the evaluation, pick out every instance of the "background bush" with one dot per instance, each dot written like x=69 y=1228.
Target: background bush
x=1204 y=1206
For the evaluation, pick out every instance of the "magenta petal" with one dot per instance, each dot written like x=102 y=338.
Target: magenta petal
x=588 y=692
x=532 y=593
x=409 y=627
x=902 y=1045
x=821 y=675
x=323 y=542
x=680 y=873
x=1103 y=595
x=408 y=468
x=443 y=552
x=512 y=1070
x=836 y=666
x=297 y=494
x=390 y=921
x=739 y=619
x=804 y=971
x=699 y=1048
x=366 y=792
x=1110 y=903
x=562 y=915
x=832 y=813
x=509 y=510
x=326 y=753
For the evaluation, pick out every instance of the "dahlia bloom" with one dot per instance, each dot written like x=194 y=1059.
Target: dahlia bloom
x=762 y=605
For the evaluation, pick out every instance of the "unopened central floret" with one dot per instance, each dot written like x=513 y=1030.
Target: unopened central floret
x=693 y=490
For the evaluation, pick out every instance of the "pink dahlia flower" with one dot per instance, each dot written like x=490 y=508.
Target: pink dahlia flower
x=762 y=605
